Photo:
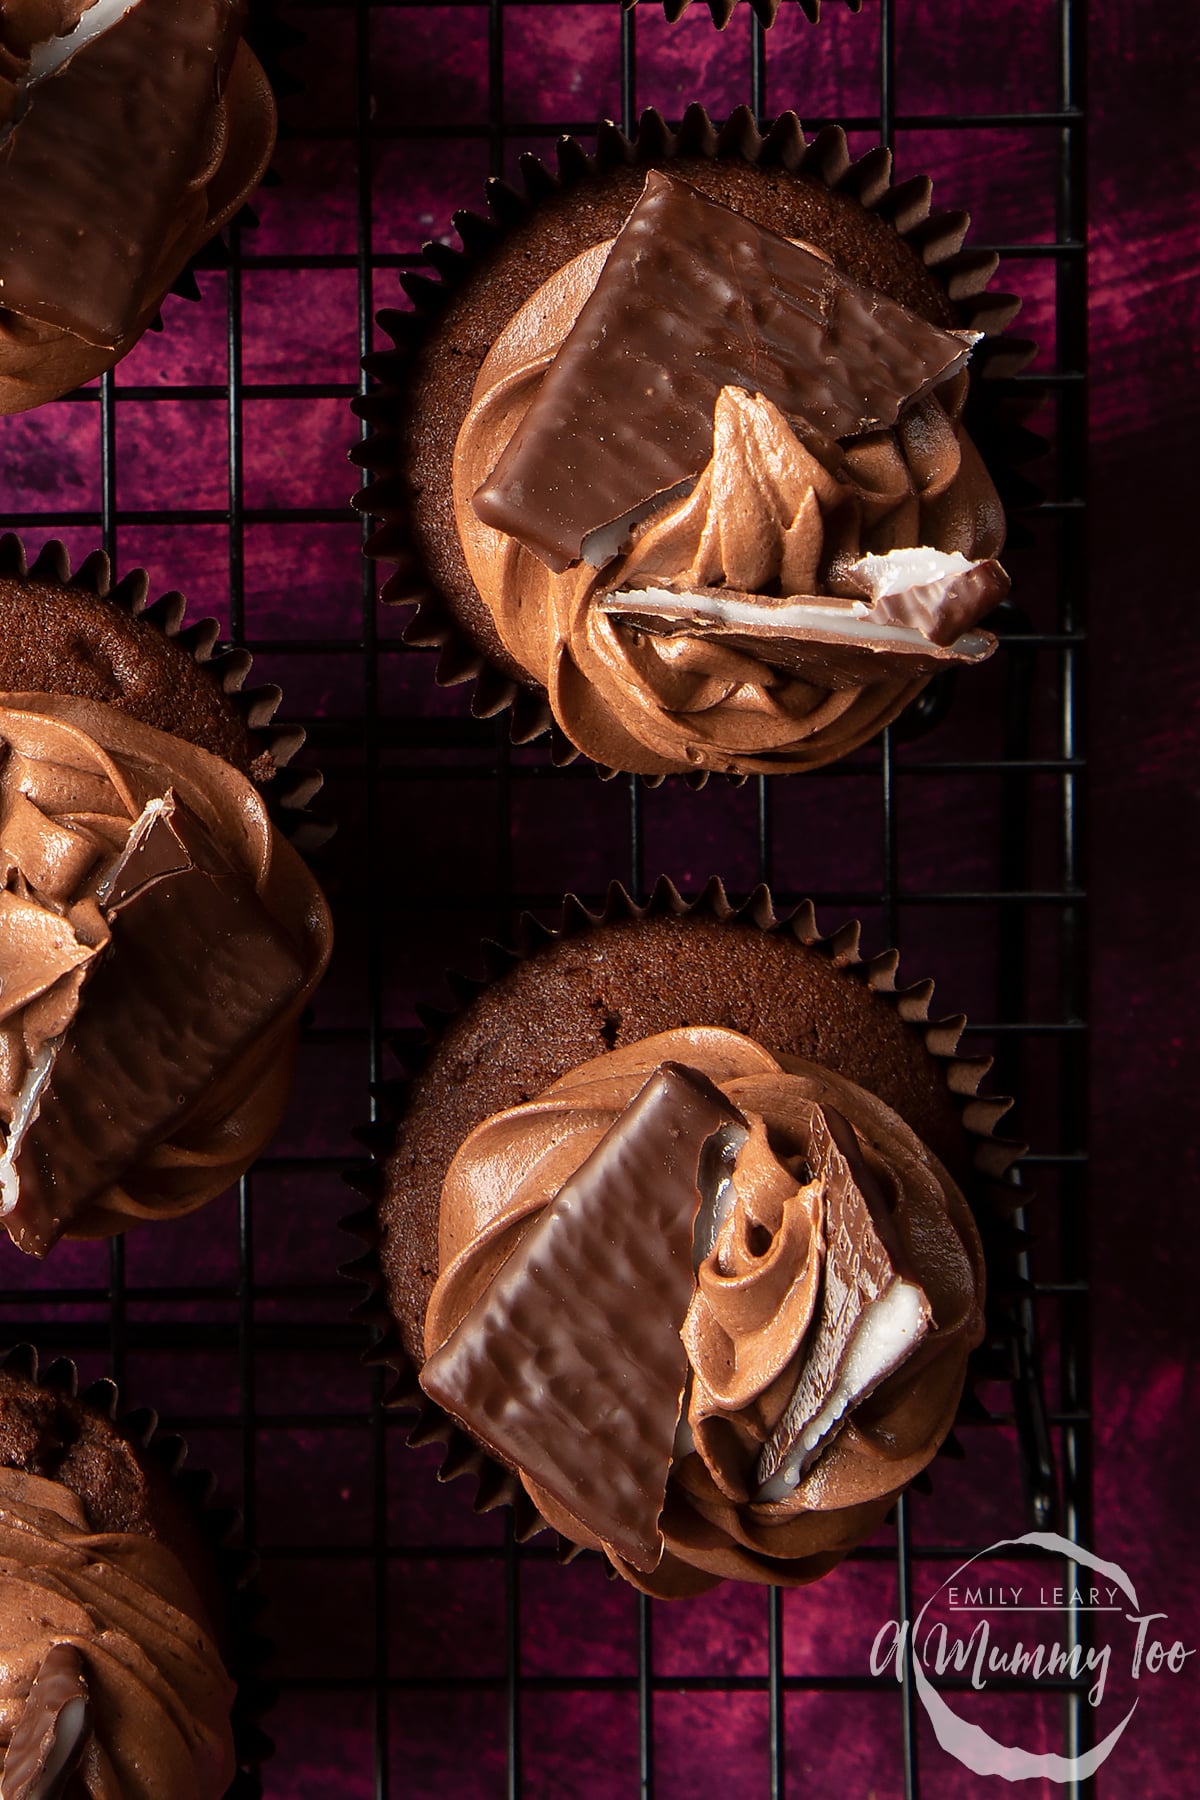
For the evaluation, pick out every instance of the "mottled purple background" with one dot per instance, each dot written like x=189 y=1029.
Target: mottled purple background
x=239 y=1338
x=1145 y=274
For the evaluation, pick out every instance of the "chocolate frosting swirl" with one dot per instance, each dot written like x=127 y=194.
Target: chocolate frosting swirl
x=157 y=1698
x=771 y=514
x=750 y=1330
x=76 y=778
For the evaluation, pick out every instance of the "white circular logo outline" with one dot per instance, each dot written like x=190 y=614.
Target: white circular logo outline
x=976 y=1748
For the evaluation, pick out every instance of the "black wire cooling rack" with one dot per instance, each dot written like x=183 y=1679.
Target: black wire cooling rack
x=961 y=845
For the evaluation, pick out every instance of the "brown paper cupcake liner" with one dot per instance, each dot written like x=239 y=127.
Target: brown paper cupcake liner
x=992 y=1192
x=269 y=746
x=765 y=10
x=233 y=1567
x=937 y=237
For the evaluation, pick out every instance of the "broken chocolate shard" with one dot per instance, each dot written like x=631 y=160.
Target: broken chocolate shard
x=570 y=1366
x=195 y=970
x=153 y=850
x=51 y=1735
x=96 y=166
x=829 y=642
x=871 y=1314
x=692 y=298
x=938 y=593
x=718 y=1194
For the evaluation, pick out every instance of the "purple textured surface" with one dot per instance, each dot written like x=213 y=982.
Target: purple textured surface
x=231 y=1323
x=1145 y=261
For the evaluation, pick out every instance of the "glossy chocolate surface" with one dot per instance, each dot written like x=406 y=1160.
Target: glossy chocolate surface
x=120 y=134
x=863 y=1259
x=694 y=297
x=48 y=1741
x=772 y=514
x=157 y=941
x=195 y=972
x=570 y=1366
x=819 y=640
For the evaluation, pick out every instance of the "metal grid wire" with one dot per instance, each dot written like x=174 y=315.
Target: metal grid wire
x=374 y=746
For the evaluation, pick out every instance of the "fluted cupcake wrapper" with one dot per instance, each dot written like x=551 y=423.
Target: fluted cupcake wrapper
x=234 y=1568
x=765 y=10
x=993 y=1193
x=937 y=237
x=288 y=792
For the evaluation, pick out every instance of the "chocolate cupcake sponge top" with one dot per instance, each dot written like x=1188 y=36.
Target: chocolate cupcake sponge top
x=79 y=633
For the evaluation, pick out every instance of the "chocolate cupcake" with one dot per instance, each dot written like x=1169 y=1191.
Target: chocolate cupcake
x=78 y=633
x=130 y=132
x=697 y=523
x=116 y=1617
x=159 y=937
x=669 y=1241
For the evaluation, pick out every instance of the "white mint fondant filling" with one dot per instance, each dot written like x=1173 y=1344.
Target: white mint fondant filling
x=153 y=809
x=899 y=570
x=887 y=1331
x=852 y=622
x=717 y=1192
x=29 y=1100
x=685 y=1443
x=600 y=546
x=49 y=57
x=70 y=1727
x=717 y=1196
x=24 y=1114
